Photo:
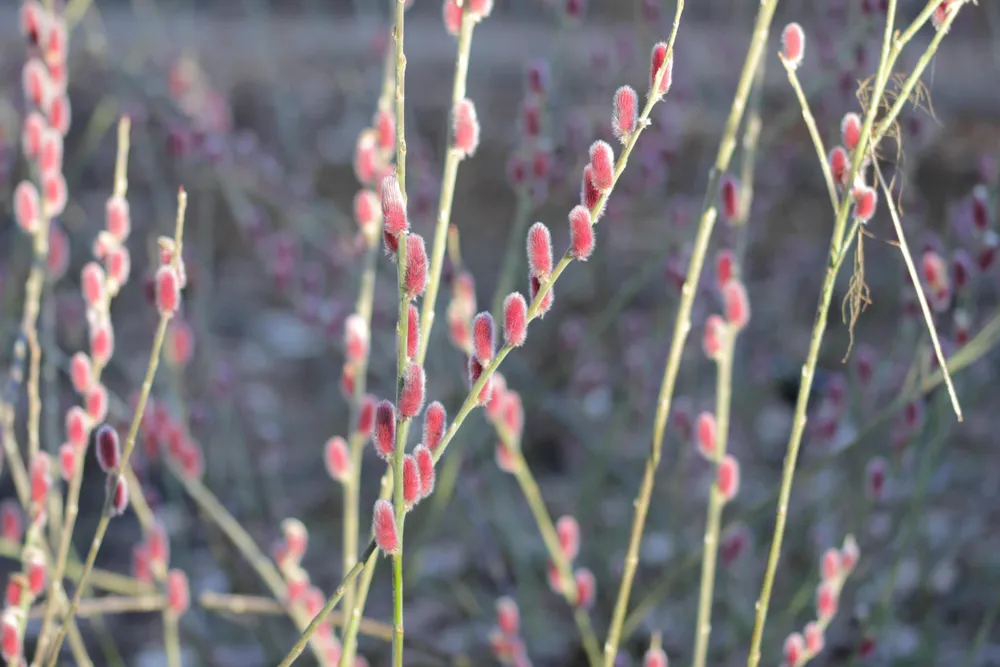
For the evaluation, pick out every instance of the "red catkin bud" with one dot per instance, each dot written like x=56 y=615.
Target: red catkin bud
x=337 y=458
x=425 y=466
x=590 y=194
x=108 y=448
x=27 y=209
x=515 y=319
x=849 y=554
x=568 y=531
x=729 y=193
x=705 y=434
x=581 y=233
x=14 y=590
x=475 y=371
x=394 y=220
x=415 y=280
x=839 y=166
x=830 y=565
x=659 y=61
x=67 y=460
x=77 y=427
x=366 y=157
x=933 y=268
x=725 y=268
x=356 y=338
x=11 y=524
x=737 y=304
x=168 y=291
x=814 y=637
x=655 y=657
x=411 y=395
x=452 y=16
x=715 y=331
x=539 y=250
x=865 y=201
x=35 y=562
x=728 y=477
x=385 y=130
x=465 y=127
x=92 y=285
x=158 y=546
x=795 y=647
x=586 y=588
x=411 y=481
x=178 y=592
x=981 y=207
x=117 y=218
x=384 y=527
x=435 y=420
x=117 y=490
x=385 y=429
x=31 y=137
x=50 y=150
x=40 y=477
x=366 y=210
x=102 y=342
x=508 y=616
x=11 y=638
x=483 y=337
x=55 y=193
x=793 y=44
x=119 y=265
x=479 y=9
x=96 y=401
x=850 y=130
x=531 y=118
x=602 y=161
x=624 y=113
x=534 y=286
x=366 y=416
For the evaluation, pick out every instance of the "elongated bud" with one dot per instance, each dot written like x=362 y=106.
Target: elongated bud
x=415 y=279
x=725 y=268
x=411 y=395
x=117 y=490
x=465 y=127
x=425 y=466
x=475 y=371
x=168 y=291
x=385 y=131
x=40 y=478
x=356 y=338
x=435 y=421
x=508 y=616
x=27 y=209
x=384 y=527
x=337 y=458
x=119 y=264
x=117 y=217
x=411 y=481
x=366 y=158
x=539 y=250
x=178 y=592
x=826 y=601
x=737 y=303
x=452 y=16
x=590 y=194
x=602 y=160
x=839 y=165
x=586 y=588
x=385 y=429
x=830 y=566
x=655 y=657
x=479 y=9
x=31 y=138
x=715 y=331
x=158 y=546
x=659 y=61
x=366 y=416
x=483 y=337
x=77 y=427
x=705 y=433
x=37 y=576
x=624 y=113
x=11 y=523
x=581 y=233
x=515 y=319
x=96 y=401
x=534 y=285
x=729 y=477
x=793 y=44
x=11 y=635
x=67 y=460
x=108 y=448
x=366 y=211
x=568 y=531
x=92 y=285
x=850 y=130
x=394 y=220
x=54 y=192
x=865 y=201
x=795 y=648
x=729 y=193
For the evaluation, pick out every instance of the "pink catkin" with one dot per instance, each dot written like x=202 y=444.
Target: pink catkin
x=850 y=130
x=385 y=131
x=50 y=150
x=366 y=416
x=167 y=290
x=452 y=15
x=475 y=371
x=794 y=649
x=815 y=639
x=337 y=458
x=737 y=304
x=659 y=61
x=865 y=202
x=384 y=527
x=624 y=113
x=483 y=337
x=602 y=161
x=54 y=192
x=729 y=193
x=535 y=285
x=793 y=44
x=539 y=250
x=715 y=330
x=728 y=477
x=411 y=394
x=705 y=434
x=435 y=420
x=839 y=165
x=826 y=601
x=425 y=466
x=108 y=448
x=515 y=319
x=385 y=429
x=356 y=338
x=411 y=481
x=830 y=565
x=655 y=657
x=465 y=127
x=32 y=132
x=77 y=426
x=412 y=331
x=27 y=208
x=67 y=461
x=849 y=554
x=581 y=233
x=117 y=490
x=586 y=588
x=92 y=285
x=590 y=194
x=178 y=592
x=96 y=401
x=81 y=372
x=725 y=268
x=394 y=220
x=366 y=209
x=508 y=616
x=415 y=280
x=117 y=218
x=568 y=531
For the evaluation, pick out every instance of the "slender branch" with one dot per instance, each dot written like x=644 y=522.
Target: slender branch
x=817 y=140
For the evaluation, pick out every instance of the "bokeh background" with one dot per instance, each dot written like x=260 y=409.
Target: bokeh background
x=264 y=148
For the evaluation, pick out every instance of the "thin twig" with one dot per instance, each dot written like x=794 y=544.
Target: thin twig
x=817 y=140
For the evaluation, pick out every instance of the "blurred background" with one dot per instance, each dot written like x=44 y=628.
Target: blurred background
x=255 y=108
